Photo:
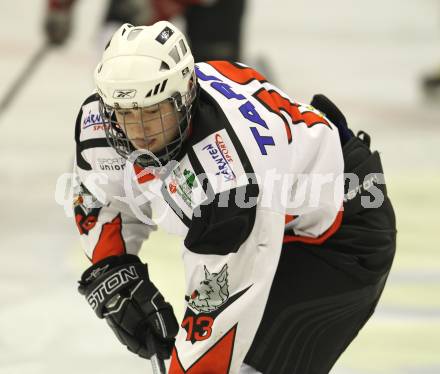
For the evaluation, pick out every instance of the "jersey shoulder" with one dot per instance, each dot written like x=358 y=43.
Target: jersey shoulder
x=234 y=71
x=92 y=149
x=214 y=146
x=260 y=135
x=89 y=123
x=209 y=180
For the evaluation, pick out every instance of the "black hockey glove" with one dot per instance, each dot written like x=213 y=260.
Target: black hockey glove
x=119 y=290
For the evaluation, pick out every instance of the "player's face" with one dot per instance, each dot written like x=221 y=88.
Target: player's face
x=150 y=128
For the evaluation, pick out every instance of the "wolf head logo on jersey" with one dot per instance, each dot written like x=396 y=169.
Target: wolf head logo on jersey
x=212 y=293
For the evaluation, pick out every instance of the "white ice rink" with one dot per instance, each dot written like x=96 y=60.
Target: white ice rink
x=366 y=56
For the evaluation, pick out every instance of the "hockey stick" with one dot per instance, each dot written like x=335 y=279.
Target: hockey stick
x=156 y=363
x=15 y=87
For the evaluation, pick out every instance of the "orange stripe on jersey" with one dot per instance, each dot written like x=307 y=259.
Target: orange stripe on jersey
x=110 y=242
x=312 y=119
x=271 y=99
x=142 y=175
x=238 y=74
x=274 y=102
x=217 y=360
x=288 y=218
x=320 y=239
x=84 y=226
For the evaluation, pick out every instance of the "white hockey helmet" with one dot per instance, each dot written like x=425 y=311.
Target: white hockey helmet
x=143 y=66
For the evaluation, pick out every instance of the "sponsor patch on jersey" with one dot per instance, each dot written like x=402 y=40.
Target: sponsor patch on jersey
x=220 y=161
x=164 y=35
x=111 y=164
x=184 y=187
x=91 y=119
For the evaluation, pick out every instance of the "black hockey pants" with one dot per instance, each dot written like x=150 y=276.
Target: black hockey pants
x=322 y=295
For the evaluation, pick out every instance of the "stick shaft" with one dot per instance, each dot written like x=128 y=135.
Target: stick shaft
x=16 y=85
x=156 y=363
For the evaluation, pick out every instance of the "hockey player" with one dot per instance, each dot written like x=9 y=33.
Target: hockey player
x=431 y=83
x=282 y=266
x=205 y=22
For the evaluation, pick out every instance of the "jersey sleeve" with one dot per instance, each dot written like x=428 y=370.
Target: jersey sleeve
x=227 y=292
x=106 y=229
x=230 y=222
x=314 y=211
x=230 y=253
x=106 y=225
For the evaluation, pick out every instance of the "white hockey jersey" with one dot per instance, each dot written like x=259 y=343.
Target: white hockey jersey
x=257 y=170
